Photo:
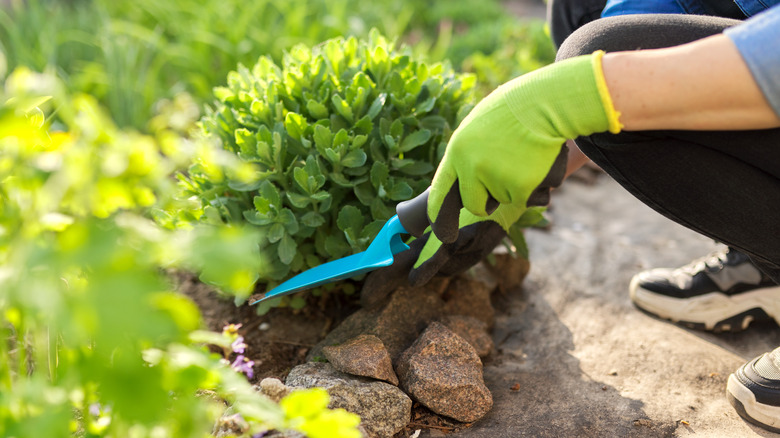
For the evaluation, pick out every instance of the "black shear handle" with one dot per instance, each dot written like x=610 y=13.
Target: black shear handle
x=413 y=214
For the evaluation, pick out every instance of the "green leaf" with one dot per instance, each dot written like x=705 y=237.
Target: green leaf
x=379 y=174
x=365 y=193
x=517 y=236
x=363 y=126
x=323 y=138
x=425 y=107
x=343 y=108
x=312 y=219
x=275 y=233
x=397 y=128
x=391 y=143
x=358 y=141
x=400 y=191
x=531 y=217
x=262 y=205
x=270 y=193
x=241 y=186
x=412 y=167
x=302 y=178
x=371 y=230
x=256 y=218
x=415 y=139
x=341 y=138
x=355 y=158
x=297 y=200
x=434 y=123
x=287 y=218
x=296 y=125
x=312 y=260
x=336 y=245
x=246 y=141
x=287 y=249
x=317 y=110
x=297 y=302
x=340 y=179
x=332 y=156
x=376 y=106
x=380 y=211
x=321 y=196
x=350 y=219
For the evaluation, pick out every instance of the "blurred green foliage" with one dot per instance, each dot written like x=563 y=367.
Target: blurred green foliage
x=132 y=54
x=94 y=340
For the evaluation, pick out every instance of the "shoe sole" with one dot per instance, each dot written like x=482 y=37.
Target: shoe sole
x=715 y=311
x=744 y=402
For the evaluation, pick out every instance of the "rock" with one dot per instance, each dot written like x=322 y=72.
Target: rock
x=482 y=274
x=397 y=324
x=364 y=355
x=509 y=271
x=273 y=389
x=383 y=408
x=474 y=331
x=439 y=284
x=283 y=434
x=443 y=372
x=469 y=297
x=230 y=424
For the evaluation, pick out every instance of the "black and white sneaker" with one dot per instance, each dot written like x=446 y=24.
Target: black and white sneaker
x=754 y=391
x=724 y=291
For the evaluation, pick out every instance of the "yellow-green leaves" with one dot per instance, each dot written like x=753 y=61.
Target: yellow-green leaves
x=306 y=411
x=95 y=340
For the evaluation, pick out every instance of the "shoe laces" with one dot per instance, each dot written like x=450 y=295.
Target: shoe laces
x=713 y=262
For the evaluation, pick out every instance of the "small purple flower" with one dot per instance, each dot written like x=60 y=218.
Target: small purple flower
x=260 y=434
x=238 y=345
x=244 y=365
x=94 y=409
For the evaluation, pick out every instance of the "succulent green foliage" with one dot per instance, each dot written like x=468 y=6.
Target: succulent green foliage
x=338 y=135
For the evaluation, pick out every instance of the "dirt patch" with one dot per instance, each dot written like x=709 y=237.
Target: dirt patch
x=278 y=340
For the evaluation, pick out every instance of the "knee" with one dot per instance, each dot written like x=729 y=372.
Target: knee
x=634 y=32
x=596 y=35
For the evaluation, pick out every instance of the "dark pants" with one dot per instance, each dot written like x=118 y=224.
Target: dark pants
x=722 y=184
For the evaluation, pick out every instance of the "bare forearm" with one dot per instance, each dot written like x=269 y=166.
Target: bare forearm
x=703 y=85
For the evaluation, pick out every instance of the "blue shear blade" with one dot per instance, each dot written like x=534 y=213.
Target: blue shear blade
x=379 y=254
x=336 y=270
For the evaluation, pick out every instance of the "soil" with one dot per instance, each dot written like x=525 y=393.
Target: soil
x=279 y=340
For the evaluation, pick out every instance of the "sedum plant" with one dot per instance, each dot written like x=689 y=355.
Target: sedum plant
x=338 y=135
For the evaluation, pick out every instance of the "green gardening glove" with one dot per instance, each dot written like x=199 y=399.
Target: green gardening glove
x=427 y=256
x=505 y=148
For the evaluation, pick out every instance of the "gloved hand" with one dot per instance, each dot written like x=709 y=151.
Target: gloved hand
x=509 y=150
x=478 y=236
x=506 y=147
x=427 y=256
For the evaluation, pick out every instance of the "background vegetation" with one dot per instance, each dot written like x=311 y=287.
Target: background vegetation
x=136 y=57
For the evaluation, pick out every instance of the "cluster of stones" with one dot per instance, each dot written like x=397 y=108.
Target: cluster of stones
x=425 y=345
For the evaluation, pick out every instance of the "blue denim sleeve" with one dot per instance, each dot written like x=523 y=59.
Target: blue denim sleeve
x=624 y=7
x=758 y=41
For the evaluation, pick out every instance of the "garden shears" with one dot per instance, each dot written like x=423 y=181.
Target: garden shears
x=411 y=218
